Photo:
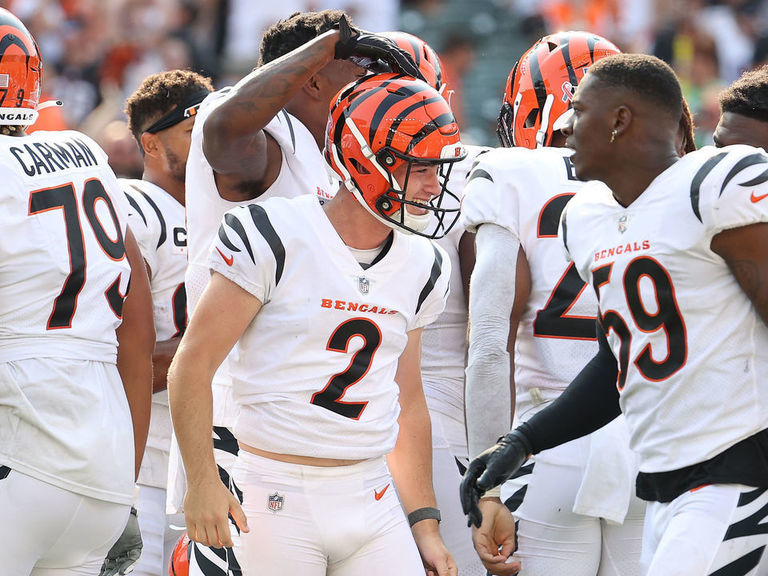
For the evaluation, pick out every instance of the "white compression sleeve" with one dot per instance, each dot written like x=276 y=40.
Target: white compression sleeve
x=491 y=297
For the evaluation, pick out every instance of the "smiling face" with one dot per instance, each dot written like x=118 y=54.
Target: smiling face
x=738 y=129
x=422 y=185
x=588 y=130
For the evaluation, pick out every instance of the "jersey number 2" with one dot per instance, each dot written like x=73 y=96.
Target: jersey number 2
x=330 y=396
x=64 y=198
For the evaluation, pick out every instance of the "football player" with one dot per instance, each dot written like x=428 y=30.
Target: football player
x=325 y=306
x=675 y=249
x=744 y=111
x=259 y=139
x=528 y=299
x=161 y=113
x=76 y=345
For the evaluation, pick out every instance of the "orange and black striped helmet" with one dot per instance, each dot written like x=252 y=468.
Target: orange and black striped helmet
x=179 y=563
x=380 y=123
x=422 y=53
x=20 y=72
x=541 y=85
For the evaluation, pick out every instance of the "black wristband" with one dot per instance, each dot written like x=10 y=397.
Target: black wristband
x=426 y=513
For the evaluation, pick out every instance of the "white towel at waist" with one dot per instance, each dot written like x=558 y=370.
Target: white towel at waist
x=609 y=477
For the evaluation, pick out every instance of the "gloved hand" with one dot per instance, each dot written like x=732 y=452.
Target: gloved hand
x=491 y=468
x=124 y=553
x=354 y=42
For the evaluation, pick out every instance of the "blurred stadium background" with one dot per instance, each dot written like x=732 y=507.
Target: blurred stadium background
x=96 y=52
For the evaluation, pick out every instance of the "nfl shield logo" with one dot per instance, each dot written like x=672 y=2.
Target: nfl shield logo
x=275 y=502
x=623 y=223
x=364 y=285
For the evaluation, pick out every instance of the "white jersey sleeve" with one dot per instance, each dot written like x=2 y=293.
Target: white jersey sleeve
x=433 y=297
x=245 y=258
x=742 y=197
x=141 y=222
x=493 y=189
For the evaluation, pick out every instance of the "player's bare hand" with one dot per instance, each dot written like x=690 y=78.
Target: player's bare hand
x=494 y=540
x=435 y=556
x=207 y=507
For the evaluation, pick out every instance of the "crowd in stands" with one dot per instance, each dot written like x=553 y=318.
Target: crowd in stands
x=97 y=52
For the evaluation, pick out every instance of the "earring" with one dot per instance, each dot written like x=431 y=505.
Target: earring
x=613 y=135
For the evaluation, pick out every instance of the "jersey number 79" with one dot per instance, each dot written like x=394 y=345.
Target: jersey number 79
x=64 y=198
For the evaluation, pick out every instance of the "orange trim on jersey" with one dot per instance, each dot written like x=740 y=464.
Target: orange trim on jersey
x=699 y=487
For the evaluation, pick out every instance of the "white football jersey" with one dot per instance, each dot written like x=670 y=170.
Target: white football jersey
x=157 y=220
x=690 y=346
x=303 y=171
x=63 y=276
x=444 y=341
x=314 y=372
x=525 y=191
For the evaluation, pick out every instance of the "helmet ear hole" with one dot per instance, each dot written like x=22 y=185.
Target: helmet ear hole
x=530 y=121
x=357 y=165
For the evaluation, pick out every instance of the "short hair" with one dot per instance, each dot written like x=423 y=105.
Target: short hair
x=299 y=28
x=159 y=94
x=649 y=77
x=748 y=95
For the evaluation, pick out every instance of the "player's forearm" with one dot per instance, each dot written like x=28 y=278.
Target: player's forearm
x=491 y=299
x=191 y=403
x=136 y=337
x=233 y=128
x=411 y=460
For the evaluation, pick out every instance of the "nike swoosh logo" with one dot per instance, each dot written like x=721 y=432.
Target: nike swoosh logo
x=757 y=198
x=229 y=260
x=378 y=495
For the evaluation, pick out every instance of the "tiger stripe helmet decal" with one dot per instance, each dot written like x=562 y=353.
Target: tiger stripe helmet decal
x=20 y=72
x=425 y=57
x=377 y=125
x=541 y=85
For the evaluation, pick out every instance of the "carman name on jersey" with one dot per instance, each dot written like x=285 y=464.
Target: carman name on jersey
x=44 y=158
x=354 y=306
x=623 y=249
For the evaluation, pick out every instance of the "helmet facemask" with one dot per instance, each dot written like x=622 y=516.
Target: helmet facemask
x=392 y=206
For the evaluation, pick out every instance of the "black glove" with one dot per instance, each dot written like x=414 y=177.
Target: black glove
x=126 y=551
x=491 y=468
x=354 y=42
